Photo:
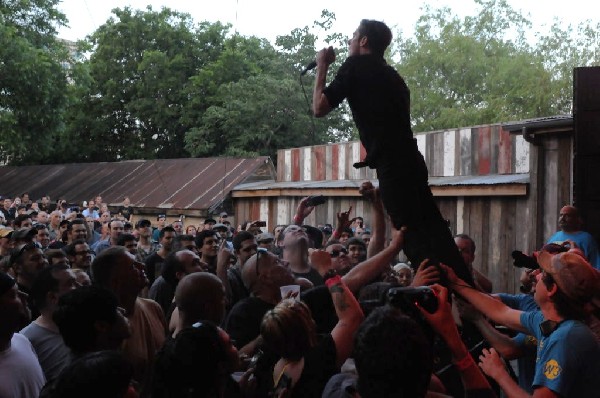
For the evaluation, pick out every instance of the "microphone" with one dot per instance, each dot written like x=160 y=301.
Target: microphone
x=311 y=66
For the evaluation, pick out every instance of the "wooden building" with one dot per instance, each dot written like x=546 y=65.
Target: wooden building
x=494 y=183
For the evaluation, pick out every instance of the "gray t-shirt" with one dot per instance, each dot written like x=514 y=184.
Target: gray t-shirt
x=20 y=372
x=50 y=348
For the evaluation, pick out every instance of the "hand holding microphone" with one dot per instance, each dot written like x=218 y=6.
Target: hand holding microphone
x=326 y=55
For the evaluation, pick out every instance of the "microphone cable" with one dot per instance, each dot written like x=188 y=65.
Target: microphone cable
x=310 y=112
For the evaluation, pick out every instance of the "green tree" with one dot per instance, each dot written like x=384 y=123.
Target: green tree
x=468 y=71
x=139 y=69
x=250 y=102
x=34 y=20
x=253 y=116
x=565 y=48
x=32 y=80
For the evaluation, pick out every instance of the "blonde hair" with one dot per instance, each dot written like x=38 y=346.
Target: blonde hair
x=289 y=330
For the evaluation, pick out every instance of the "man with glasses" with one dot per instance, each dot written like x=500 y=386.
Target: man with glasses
x=80 y=255
x=263 y=275
x=128 y=242
x=145 y=244
x=567 y=354
x=340 y=261
x=27 y=261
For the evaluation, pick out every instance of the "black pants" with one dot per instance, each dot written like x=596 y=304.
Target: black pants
x=409 y=202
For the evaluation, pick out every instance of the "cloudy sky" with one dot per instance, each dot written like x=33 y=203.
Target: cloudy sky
x=270 y=18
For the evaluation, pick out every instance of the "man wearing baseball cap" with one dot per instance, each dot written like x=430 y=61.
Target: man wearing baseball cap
x=568 y=352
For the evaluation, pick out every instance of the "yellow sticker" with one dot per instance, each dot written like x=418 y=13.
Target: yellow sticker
x=552 y=369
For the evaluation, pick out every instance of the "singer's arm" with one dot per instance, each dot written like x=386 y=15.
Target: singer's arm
x=321 y=106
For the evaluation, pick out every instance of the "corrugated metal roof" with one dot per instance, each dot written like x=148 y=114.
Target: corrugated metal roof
x=165 y=183
x=539 y=123
x=493 y=179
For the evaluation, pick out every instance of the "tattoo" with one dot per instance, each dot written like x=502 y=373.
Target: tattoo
x=336 y=289
x=338 y=296
x=340 y=302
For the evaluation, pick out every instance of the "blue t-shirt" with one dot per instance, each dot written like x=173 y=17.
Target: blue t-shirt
x=568 y=360
x=528 y=343
x=584 y=240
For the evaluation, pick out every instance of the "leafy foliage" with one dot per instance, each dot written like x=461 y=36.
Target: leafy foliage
x=156 y=84
x=32 y=81
x=465 y=72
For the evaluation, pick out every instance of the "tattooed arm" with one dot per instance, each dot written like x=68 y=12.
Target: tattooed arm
x=349 y=316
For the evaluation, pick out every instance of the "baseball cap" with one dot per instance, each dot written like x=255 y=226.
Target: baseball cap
x=142 y=223
x=6 y=232
x=264 y=237
x=224 y=214
x=573 y=274
x=219 y=226
x=24 y=233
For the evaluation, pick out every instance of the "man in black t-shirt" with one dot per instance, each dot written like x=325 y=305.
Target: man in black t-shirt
x=126 y=210
x=380 y=103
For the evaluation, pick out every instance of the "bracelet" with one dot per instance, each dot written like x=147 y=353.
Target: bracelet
x=464 y=363
x=297 y=219
x=336 y=234
x=333 y=281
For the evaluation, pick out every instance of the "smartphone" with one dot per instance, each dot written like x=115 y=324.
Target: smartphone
x=315 y=200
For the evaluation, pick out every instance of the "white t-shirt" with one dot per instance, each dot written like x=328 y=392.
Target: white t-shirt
x=20 y=371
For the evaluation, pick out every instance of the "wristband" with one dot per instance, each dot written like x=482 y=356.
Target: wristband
x=333 y=281
x=336 y=234
x=297 y=219
x=464 y=363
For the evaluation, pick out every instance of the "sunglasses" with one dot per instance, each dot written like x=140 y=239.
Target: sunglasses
x=336 y=253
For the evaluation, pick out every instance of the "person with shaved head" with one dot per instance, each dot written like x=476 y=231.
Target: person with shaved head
x=570 y=223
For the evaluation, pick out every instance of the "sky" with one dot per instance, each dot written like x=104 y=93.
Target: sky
x=270 y=18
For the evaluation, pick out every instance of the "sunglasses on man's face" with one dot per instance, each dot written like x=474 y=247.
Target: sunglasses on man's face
x=336 y=253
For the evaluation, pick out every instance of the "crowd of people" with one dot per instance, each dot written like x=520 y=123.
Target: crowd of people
x=208 y=312
x=93 y=304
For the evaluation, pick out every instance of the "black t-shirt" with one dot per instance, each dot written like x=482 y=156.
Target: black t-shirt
x=312 y=275
x=236 y=284
x=154 y=264
x=244 y=319
x=126 y=212
x=380 y=103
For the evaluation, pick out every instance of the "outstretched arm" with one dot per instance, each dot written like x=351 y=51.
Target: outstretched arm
x=443 y=323
x=371 y=268
x=349 y=316
x=505 y=346
x=486 y=304
x=369 y=192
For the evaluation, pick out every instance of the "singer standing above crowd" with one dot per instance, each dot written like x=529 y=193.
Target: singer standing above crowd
x=380 y=103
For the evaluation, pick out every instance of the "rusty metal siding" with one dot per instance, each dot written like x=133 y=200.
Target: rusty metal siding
x=163 y=184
